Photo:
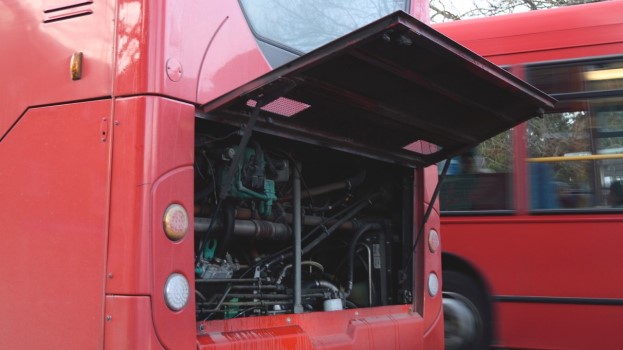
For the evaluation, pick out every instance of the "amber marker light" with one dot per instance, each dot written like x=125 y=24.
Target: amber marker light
x=175 y=222
x=75 y=66
x=433 y=241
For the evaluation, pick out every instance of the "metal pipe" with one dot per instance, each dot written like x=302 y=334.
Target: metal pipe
x=260 y=229
x=351 y=253
x=307 y=220
x=259 y=287
x=367 y=247
x=231 y=280
x=323 y=235
x=328 y=285
x=296 y=223
x=289 y=266
x=340 y=185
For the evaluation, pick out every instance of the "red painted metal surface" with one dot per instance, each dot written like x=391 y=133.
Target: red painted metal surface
x=129 y=324
x=391 y=327
x=152 y=136
x=152 y=166
x=577 y=331
x=432 y=308
x=546 y=256
x=174 y=329
x=542 y=36
x=40 y=70
x=210 y=43
x=54 y=227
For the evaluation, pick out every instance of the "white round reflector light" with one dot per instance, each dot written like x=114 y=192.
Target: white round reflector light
x=176 y=291
x=433 y=284
x=433 y=241
x=175 y=222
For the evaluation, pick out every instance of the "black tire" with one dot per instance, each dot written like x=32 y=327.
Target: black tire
x=467 y=313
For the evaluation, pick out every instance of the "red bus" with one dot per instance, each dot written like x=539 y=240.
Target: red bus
x=231 y=174
x=531 y=219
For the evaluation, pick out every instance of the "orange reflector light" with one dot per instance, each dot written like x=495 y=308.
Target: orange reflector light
x=175 y=222
x=75 y=66
x=433 y=241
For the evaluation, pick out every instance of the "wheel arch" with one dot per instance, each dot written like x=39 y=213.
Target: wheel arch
x=456 y=263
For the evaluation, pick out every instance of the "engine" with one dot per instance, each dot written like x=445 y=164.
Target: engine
x=285 y=227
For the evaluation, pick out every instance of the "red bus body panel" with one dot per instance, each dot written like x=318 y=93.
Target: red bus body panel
x=546 y=256
x=40 y=53
x=571 y=256
x=192 y=51
x=392 y=327
x=54 y=214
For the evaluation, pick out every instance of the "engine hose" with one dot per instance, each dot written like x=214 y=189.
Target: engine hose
x=324 y=235
x=351 y=254
x=322 y=284
x=283 y=255
x=286 y=253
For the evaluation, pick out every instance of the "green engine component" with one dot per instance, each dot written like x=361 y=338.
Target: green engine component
x=250 y=181
x=232 y=311
x=207 y=254
x=210 y=248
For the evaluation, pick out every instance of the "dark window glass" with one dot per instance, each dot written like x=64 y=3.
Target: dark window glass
x=480 y=180
x=576 y=155
x=304 y=25
x=577 y=77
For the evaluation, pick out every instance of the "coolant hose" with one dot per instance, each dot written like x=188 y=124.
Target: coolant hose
x=351 y=254
x=322 y=284
x=351 y=214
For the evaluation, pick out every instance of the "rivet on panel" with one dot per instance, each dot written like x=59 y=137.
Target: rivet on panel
x=174 y=69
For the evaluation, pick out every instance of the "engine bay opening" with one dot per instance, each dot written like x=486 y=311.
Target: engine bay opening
x=292 y=227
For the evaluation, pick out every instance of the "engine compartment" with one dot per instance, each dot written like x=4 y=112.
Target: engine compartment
x=253 y=257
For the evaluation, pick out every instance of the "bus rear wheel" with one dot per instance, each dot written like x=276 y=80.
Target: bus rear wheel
x=467 y=319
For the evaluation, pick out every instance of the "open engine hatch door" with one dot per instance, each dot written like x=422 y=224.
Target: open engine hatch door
x=395 y=90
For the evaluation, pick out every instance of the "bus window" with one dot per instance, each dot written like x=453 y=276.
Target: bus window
x=576 y=154
x=577 y=76
x=604 y=76
x=302 y=26
x=480 y=179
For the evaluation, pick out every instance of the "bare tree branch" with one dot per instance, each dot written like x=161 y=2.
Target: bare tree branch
x=444 y=13
x=452 y=10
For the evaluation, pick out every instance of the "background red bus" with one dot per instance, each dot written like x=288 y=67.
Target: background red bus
x=230 y=174
x=532 y=218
